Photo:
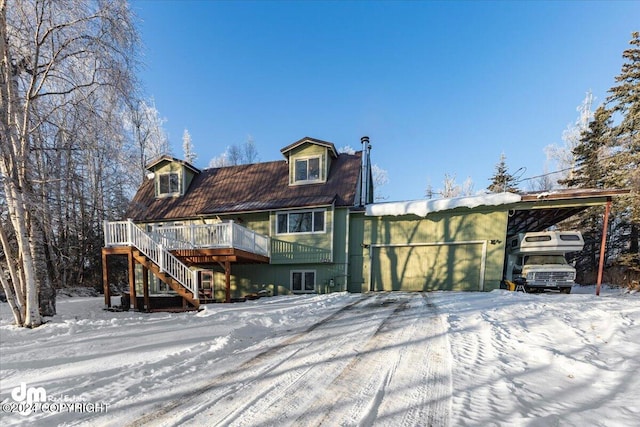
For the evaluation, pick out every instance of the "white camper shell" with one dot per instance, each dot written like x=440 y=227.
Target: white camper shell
x=537 y=259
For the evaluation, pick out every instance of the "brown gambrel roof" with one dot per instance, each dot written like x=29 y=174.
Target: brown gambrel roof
x=249 y=188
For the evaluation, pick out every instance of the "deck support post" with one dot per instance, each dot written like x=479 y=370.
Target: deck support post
x=227 y=279
x=105 y=281
x=132 y=280
x=145 y=288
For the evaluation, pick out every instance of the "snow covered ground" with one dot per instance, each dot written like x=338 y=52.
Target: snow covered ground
x=390 y=359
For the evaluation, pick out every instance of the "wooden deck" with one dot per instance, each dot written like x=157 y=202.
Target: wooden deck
x=173 y=257
x=195 y=257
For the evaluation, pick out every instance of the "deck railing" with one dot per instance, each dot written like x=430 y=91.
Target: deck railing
x=129 y=234
x=220 y=235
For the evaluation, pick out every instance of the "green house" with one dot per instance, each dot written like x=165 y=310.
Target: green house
x=231 y=232
x=308 y=224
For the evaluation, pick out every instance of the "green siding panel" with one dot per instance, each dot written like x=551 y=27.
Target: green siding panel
x=276 y=278
x=357 y=267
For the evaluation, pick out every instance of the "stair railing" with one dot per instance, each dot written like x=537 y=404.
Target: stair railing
x=127 y=233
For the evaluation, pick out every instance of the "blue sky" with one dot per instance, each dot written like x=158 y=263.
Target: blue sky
x=439 y=87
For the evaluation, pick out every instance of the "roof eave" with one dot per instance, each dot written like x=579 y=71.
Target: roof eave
x=329 y=145
x=167 y=158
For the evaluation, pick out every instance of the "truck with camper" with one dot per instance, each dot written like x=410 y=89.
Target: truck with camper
x=536 y=261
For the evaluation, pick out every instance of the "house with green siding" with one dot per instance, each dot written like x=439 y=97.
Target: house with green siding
x=224 y=233
x=308 y=224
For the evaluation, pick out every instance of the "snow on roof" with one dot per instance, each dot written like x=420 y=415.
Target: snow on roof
x=424 y=207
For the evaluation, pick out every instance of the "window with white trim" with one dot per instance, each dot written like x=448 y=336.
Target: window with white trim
x=206 y=280
x=303 y=281
x=162 y=287
x=301 y=222
x=307 y=170
x=168 y=184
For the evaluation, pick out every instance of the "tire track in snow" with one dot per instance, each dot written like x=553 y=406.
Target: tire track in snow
x=228 y=383
x=355 y=395
x=284 y=393
x=430 y=395
x=385 y=362
x=403 y=378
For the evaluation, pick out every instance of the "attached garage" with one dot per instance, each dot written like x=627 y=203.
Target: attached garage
x=456 y=266
x=453 y=244
x=435 y=245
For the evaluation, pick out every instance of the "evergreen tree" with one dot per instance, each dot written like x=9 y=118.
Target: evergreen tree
x=608 y=157
x=625 y=104
x=502 y=181
x=591 y=154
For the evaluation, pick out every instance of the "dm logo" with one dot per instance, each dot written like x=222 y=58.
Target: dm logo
x=29 y=395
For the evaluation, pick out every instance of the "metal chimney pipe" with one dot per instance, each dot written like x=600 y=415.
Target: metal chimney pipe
x=364 y=178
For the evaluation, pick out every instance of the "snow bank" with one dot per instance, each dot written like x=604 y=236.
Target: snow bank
x=424 y=207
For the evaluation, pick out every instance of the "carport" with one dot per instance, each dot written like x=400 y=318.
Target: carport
x=458 y=244
x=539 y=211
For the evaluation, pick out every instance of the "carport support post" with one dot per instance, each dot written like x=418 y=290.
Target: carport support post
x=603 y=245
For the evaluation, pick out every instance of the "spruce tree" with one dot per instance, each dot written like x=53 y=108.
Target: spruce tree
x=624 y=172
x=591 y=154
x=502 y=181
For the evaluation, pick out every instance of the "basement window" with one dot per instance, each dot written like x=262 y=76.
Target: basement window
x=303 y=281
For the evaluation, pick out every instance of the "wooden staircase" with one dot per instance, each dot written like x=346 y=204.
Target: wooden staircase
x=172 y=252
x=155 y=257
x=166 y=278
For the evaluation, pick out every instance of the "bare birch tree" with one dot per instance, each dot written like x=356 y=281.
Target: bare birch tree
x=449 y=187
x=65 y=69
x=380 y=176
x=146 y=126
x=234 y=155
x=190 y=155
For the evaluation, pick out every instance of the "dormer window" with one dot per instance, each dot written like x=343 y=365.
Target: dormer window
x=171 y=177
x=309 y=161
x=307 y=170
x=169 y=184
